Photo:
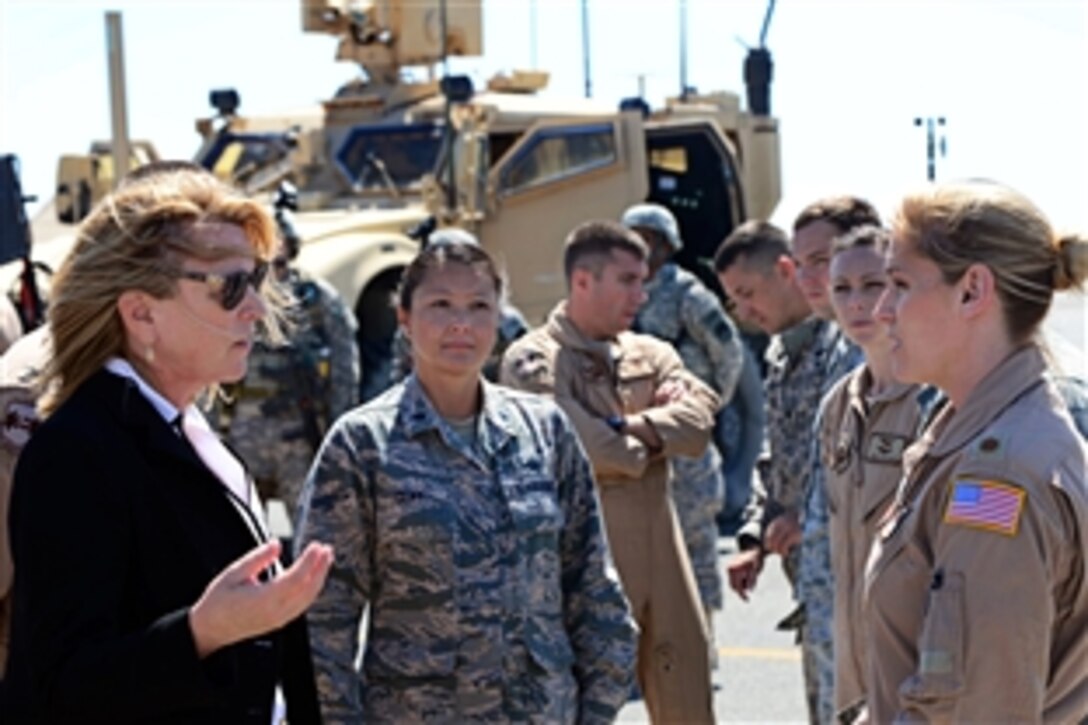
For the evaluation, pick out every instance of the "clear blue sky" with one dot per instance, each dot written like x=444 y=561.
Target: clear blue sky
x=1011 y=76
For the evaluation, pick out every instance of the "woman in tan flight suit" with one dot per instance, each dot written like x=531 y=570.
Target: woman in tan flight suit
x=866 y=422
x=976 y=595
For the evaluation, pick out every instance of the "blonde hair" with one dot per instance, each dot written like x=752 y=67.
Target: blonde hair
x=135 y=239
x=980 y=222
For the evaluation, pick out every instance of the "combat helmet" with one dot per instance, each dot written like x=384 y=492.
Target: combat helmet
x=452 y=235
x=656 y=217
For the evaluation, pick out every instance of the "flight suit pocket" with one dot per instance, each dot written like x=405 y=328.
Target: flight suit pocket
x=939 y=677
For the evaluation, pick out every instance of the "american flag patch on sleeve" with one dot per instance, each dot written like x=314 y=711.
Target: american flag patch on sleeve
x=986 y=505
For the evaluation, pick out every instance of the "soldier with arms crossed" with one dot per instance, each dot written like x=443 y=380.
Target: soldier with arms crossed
x=634 y=406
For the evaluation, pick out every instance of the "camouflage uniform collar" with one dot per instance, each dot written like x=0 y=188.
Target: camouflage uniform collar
x=494 y=425
x=952 y=429
x=793 y=342
x=666 y=275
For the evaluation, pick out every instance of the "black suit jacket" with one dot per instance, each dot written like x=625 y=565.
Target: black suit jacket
x=117 y=527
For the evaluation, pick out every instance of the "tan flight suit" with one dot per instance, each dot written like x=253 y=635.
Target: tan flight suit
x=862 y=440
x=976 y=595
x=592 y=380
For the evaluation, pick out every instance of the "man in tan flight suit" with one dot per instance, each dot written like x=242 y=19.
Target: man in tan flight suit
x=634 y=406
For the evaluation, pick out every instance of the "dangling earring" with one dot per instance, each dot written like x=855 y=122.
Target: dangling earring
x=149 y=355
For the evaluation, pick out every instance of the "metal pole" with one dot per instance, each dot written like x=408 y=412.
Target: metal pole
x=115 y=49
x=931 y=123
x=931 y=148
x=451 y=136
x=585 y=46
x=683 y=49
x=532 y=35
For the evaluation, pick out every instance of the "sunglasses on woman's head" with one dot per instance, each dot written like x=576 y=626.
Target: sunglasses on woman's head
x=229 y=289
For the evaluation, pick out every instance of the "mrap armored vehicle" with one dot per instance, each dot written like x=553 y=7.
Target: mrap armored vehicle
x=390 y=154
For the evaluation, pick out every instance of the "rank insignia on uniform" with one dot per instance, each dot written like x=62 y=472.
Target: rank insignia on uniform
x=886 y=447
x=988 y=505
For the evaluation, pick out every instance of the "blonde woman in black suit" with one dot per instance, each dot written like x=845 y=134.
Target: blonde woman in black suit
x=146 y=586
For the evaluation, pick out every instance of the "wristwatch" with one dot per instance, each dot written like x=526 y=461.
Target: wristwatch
x=616 y=422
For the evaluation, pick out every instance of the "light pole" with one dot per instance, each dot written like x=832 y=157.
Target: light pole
x=934 y=145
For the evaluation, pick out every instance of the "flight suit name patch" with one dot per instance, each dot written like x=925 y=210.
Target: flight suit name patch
x=988 y=505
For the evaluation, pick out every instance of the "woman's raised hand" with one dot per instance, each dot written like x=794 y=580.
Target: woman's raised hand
x=237 y=605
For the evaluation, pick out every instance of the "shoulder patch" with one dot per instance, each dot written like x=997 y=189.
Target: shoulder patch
x=19 y=420
x=530 y=366
x=989 y=505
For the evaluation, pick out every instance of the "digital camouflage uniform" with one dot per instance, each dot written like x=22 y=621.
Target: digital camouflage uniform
x=487 y=578
x=512 y=325
x=275 y=418
x=802 y=364
x=684 y=313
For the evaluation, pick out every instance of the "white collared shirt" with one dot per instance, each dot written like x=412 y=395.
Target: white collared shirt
x=216 y=456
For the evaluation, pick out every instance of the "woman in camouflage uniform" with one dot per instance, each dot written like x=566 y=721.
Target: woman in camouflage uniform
x=468 y=531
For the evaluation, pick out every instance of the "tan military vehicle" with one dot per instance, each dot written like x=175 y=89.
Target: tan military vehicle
x=386 y=154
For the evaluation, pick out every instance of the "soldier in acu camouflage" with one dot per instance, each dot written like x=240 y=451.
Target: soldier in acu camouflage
x=276 y=417
x=805 y=358
x=512 y=324
x=467 y=528
x=680 y=310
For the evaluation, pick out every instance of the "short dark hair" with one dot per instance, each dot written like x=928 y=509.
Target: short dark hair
x=590 y=245
x=842 y=212
x=753 y=241
x=437 y=256
x=867 y=236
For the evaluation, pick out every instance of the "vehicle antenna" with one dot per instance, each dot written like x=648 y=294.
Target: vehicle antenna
x=766 y=24
x=759 y=70
x=585 y=46
x=683 y=49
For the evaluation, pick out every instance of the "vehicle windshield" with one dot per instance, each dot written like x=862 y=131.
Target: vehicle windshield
x=237 y=155
x=398 y=155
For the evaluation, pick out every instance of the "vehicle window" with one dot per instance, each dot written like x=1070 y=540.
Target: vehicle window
x=375 y=156
x=559 y=153
x=239 y=155
x=674 y=159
